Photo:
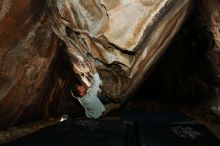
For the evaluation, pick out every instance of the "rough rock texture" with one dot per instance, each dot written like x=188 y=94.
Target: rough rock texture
x=210 y=16
x=27 y=49
x=210 y=10
x=126 y=37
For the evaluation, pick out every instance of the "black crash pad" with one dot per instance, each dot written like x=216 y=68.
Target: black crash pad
x=175 y=135
x=166 y=128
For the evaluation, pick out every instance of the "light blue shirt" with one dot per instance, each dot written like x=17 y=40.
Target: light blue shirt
x=93 y=106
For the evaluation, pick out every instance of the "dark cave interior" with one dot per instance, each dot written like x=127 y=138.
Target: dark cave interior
x=184 y=74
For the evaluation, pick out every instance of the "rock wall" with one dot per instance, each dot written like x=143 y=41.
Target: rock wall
x=210 y=16
x=124 y=37
x=27 y=50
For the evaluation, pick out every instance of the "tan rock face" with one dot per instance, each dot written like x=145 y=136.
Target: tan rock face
x=125 y=37
x=27 y=48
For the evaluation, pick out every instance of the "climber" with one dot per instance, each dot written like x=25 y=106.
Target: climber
x=88 y=97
